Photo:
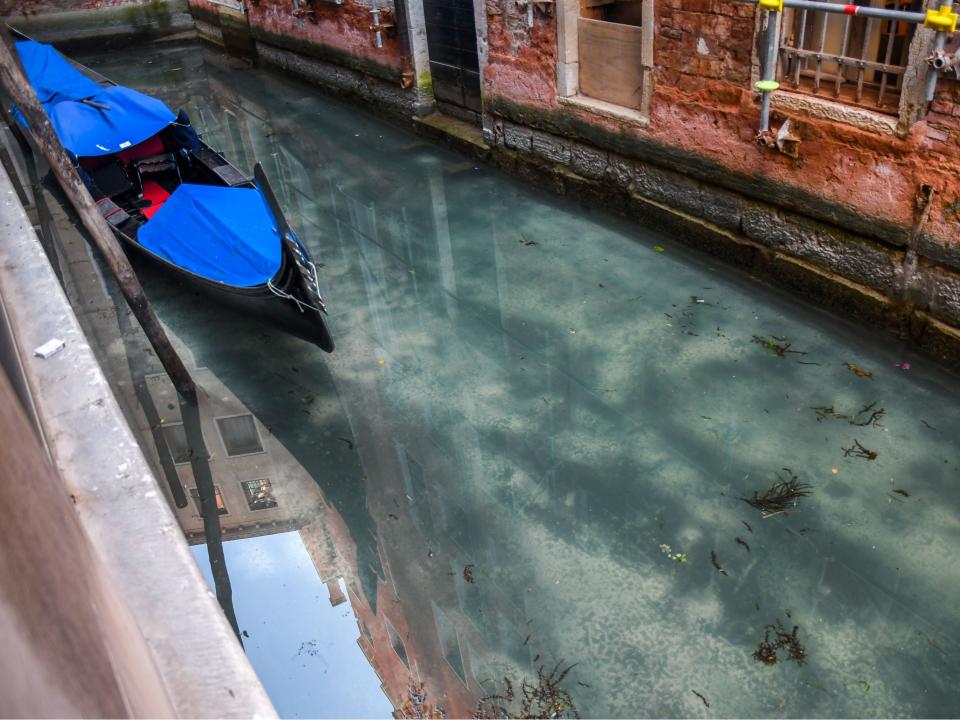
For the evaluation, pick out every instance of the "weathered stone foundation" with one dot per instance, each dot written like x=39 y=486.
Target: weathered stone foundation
x=379 y=95
x=858 y=275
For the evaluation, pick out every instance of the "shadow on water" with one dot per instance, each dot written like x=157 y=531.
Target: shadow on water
x=538 y=432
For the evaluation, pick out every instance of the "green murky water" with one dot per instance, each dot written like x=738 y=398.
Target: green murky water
x=534 y=392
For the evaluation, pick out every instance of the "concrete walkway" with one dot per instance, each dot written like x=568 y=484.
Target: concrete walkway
x=104 y=473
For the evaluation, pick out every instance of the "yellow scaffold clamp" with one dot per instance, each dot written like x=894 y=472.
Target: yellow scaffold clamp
x=771 y=5
x=943 y=19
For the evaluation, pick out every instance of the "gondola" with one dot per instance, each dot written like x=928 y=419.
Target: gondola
x=169 y=196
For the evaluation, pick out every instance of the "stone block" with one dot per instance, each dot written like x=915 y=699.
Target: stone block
x=588 y=161
x=551 y=147
x=517 y=137
x=940 y=290
x=828 y=247
x=662 y=186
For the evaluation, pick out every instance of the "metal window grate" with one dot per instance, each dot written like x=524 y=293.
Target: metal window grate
x=853 y=59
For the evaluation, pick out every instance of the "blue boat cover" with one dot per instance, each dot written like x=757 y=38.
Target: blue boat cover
x=223 y=234
x=83 y=129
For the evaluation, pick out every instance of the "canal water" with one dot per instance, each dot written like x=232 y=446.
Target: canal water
x=536 y=439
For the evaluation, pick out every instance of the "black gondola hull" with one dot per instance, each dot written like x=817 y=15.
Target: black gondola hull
x=258 y=302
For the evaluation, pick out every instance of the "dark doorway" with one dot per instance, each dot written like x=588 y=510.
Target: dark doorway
x=454 y=65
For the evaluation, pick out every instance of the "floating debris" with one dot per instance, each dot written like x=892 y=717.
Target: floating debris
x=866 y=416
x=716 y=564
x=902 y=365
x=525 y=242
x=780 y=497
x=777 y=345
x=349 y=443
x=468 y=574
x=926 y=424
x=775 y=639
x=741 y=541
x=696 y=300
x=543 y=699
x=747 y=526
x=858 y=450
x=658 y=248
x=416 y=705
x=900 y=491
x=676 y=557
x=707 y=704
x=392 y=516
x=852 y=367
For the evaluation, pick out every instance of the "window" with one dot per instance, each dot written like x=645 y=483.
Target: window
x=239 y=434
x=856 y=60
x=259 y=494
x=398 y=647
x=221 y=507
x=606 y=55
x=610 y=40
x=176 y=438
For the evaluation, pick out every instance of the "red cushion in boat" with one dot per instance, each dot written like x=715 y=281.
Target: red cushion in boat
x=157 y=196
x=148 y=148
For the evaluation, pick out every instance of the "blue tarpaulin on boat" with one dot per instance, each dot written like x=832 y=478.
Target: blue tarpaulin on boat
x=84 y=129
x=223 y=234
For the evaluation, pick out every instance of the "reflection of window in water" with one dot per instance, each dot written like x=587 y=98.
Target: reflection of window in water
x=397 y=642
x=259 y=494
x=449 y=641
x=221 y=507
x=176 y=438
x=239 y=435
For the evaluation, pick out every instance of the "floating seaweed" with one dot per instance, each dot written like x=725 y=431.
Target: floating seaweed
x=777 y=345
x=741 y=541
x=544 y=698
x=901 y=491
x=416 y=705
x=866 y=416
x=858 y=450
x=702 y=698
x=747 y=526
x=775 y=639
x=852 y=367
x=926 y=424
x=676 y=557
x=716 y=564
x=780 y=497
x=468 y=574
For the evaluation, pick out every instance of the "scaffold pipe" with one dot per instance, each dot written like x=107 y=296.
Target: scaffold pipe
x=945 y=11
x=768 y=84
x=838 y=9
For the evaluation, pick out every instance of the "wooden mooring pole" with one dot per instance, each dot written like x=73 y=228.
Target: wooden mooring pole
x=14 y=81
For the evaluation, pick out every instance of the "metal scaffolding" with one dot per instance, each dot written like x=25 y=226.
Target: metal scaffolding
x=942 y=21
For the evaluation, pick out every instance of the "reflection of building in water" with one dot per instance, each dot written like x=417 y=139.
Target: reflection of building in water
x=387 y=538
x=261 y=488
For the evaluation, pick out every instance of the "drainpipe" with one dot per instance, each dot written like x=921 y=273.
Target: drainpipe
x=943 y=20
x=768 y=83
x=377 y=36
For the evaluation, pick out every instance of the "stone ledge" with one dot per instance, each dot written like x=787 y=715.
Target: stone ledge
x=869 y=299
x=454 y=132
x=381 y=96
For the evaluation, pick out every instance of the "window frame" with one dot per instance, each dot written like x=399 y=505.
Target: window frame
x=223 y=442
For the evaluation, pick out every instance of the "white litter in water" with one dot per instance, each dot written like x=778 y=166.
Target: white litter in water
x=50 y=347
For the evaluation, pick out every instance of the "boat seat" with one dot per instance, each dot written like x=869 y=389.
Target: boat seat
x=112 y=178
x=156 y=194
x=149 y=147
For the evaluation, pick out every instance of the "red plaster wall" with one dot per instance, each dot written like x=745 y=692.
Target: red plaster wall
x=13 y=8
x=344 y=27
x=703 y=104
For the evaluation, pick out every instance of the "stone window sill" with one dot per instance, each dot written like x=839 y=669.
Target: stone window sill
x=607 y=109
x=826 y=109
